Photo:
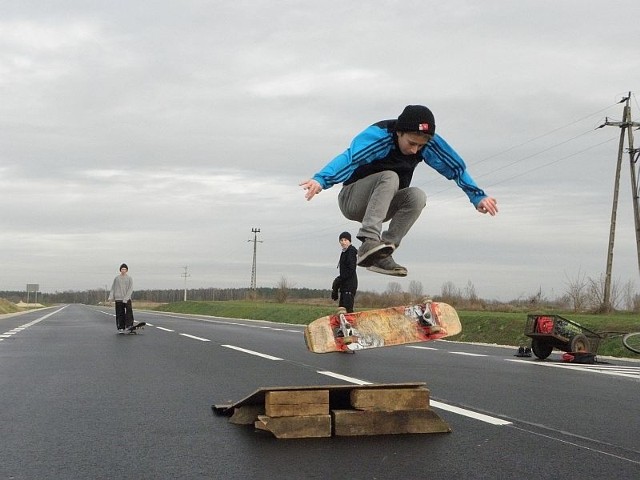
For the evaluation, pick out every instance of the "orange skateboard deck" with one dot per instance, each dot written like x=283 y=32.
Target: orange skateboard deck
x=349 y=332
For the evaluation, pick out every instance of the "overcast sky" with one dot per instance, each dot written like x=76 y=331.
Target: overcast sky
x=159 y=133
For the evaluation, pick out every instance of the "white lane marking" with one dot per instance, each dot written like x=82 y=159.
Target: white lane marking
x=468 y=413
x=618 y=371
x=165 y=329
x=442 y=406
x=251 y=352
x=421 y=348
x=343 y=377
x=27 y=325
x=470 y=354
x=194 y=337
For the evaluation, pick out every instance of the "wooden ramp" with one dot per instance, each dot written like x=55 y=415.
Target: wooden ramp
x=337 y=410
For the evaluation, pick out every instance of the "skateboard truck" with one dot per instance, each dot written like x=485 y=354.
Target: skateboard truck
x=425 y=319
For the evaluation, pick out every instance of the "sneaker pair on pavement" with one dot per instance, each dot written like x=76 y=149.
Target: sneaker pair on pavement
x=376 y=257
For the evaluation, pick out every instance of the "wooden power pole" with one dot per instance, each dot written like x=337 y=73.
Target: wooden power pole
x=626 y=130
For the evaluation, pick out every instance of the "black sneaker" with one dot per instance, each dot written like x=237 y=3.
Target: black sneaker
x=388 y=266
x=372 y=250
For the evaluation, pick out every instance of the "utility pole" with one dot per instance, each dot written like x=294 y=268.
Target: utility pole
x=626 y=126
x=185 y=275
x=255 y=241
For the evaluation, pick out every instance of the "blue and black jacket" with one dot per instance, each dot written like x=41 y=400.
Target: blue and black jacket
x=376 y=149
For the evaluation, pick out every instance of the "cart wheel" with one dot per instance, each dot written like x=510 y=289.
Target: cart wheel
x=541 y=349
x=580 y=343
x=632 y=341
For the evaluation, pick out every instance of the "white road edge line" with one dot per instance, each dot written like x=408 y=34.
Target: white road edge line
x=251 y=352
x=194 y=337
x=165 y=329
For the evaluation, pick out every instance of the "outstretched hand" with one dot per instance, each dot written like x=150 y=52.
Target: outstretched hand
x=312 y=187
x=488 y=205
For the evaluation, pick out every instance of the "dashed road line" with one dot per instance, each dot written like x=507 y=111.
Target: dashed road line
x=469 y=413
x=251 y=352
x=470 y=354
x=194 y=337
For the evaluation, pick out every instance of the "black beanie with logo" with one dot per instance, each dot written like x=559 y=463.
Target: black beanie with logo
x=416 y=118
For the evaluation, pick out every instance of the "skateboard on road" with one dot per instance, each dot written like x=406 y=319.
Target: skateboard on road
x=349 y=332
x=135 y=327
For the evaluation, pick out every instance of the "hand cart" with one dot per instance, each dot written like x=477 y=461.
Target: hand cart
x=553 y=331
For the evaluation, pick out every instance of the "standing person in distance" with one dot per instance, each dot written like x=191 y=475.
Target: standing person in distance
x=376 y=172
x=347 y=282
x=121 y=292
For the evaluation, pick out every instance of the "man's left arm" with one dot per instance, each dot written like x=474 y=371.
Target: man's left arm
x=439 y=155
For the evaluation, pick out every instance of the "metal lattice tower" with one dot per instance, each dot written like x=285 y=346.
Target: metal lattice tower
x=185 y=275
x=255 y=241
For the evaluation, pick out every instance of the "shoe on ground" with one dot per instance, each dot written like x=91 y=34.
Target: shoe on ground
x=372 y=250
x=388 y=266
x=121 y=330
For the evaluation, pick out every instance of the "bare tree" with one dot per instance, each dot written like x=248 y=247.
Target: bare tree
x=629 y=296
x=470 y=292
x=416 y=290
x=449 y=293
x=596 y=294
x=577 y=292
x=283 y=290
x=394 y=294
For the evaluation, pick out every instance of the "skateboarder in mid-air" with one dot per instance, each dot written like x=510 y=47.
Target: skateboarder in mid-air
x=376 y=172
x=121 y=291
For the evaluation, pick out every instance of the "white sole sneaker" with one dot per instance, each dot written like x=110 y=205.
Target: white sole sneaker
x=397 y=272
x=374 y=254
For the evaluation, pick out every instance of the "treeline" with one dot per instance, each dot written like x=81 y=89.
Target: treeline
x=95 y=297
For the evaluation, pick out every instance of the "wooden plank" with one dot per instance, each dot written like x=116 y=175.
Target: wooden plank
x=296 y=402
x=390 y=399
x=354 y=422
x=336 y=392
x=246 y=415
x=307 y=426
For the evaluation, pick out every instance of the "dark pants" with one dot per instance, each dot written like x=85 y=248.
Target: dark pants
x=124 y=314
x=347 y=299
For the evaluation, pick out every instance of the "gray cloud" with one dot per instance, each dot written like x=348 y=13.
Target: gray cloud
x=160 y=133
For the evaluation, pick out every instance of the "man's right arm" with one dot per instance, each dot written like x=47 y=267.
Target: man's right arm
x=371 y=144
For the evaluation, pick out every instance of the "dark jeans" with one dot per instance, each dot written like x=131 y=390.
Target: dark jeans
x=124 y=314
x=347 y=300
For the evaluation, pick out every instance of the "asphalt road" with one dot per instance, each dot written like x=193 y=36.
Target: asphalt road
x=78 y=401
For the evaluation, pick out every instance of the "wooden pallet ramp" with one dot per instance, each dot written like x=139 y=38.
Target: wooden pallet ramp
x=337 y=410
